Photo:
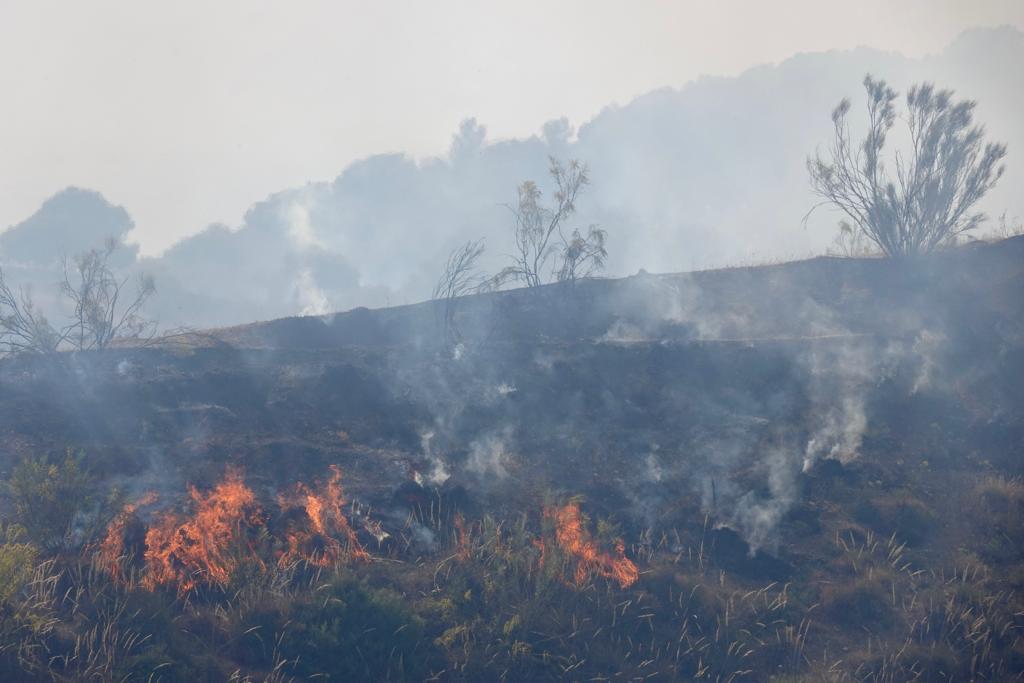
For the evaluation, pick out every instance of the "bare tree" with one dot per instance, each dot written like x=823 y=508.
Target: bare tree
x=459 y=278
x=23 y=327
x=104 y=308
x=538 y=229
x=929 y=200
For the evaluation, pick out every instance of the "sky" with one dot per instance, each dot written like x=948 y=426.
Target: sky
x=187 y=113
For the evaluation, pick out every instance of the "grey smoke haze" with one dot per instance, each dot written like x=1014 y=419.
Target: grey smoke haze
x=705 y=175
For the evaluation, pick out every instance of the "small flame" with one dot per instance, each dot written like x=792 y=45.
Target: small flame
x=317 y=542
x=115 y=545
x=573 y=539
x=203 y=548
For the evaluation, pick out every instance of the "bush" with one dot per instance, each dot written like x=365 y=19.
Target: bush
x=995 y=511
x=48 y=497
x=864 y=603
x=17 y=560
x=26 y=600
x=349 y=632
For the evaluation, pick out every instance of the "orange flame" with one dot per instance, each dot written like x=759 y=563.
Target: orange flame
x=114 y=547
x=319 y=543
x=573 y=539
x=204 y=547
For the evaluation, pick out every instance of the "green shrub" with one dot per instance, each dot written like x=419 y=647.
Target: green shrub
x=48 y=497
x=995 y=512
x=17 y=560
x=348 y=632
x=26 y=607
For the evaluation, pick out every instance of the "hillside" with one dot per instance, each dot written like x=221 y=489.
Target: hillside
x=804 y=471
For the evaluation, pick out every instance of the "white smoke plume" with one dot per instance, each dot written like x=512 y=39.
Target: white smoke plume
x=489 y=454
x=439 y=473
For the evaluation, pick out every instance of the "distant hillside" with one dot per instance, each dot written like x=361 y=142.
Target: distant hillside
x=707 y=174
x=821 y=297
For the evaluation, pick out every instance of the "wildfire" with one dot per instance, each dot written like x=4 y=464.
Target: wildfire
x=574 y=540
x=226 y=529
x=210 y=545
x=124 y=533
x=220 y=534
x=318 y=541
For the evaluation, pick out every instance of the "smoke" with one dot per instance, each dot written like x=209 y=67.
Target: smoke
x=489 y=454
x=438 y=473
x=310 y=296
x=823 y=354
x=757 y=517
x=927 y=347
x=300 y=230
x=654 y=471
x=838 y=436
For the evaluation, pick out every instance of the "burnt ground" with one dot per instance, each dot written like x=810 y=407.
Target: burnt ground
x=681 y=407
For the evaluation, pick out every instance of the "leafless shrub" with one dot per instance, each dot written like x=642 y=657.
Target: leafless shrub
x=541 y=245
x=104 y=308
x=459 y=278
x=23 y=327
x=929 y=202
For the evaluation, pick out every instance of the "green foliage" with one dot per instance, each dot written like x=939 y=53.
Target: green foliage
x=351 y=632
x=995 y=513
x=27 y=602
x=17 y=560
x=47 y=498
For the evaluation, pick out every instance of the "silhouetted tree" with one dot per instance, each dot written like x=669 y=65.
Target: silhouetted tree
x=459 y=278
x=541 y=244
x=104 y=309
x=23 y=327
x=929 y=199
x=582 y=256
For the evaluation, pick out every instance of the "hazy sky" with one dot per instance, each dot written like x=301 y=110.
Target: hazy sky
x=188 y=112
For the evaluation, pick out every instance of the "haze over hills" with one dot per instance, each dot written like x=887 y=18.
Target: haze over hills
x=708 y=174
